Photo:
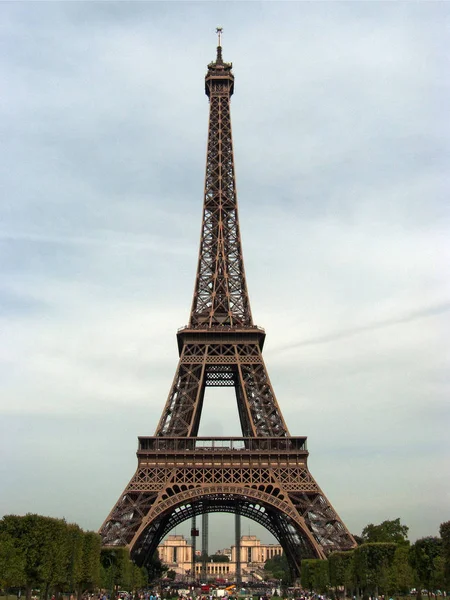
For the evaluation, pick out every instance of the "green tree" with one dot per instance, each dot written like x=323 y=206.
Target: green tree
x=171 y=574
x=444 y=530
x=401 y=574
x=372 y=564
x=387 y=531
x=12 y=562
x=116 y=567
x=437 y=581
x=139 y=578
x=423 y=557
x=218 y=558
x=41 y=552
x=277 y=567
x=315 y=575
x=55 y=547
x=75 y=540
x=30 y=535
x=341 y=569
x=90 y=563
x=306 y=575
x=155 y=569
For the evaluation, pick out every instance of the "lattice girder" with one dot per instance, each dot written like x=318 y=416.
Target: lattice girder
x=218 y=363
x=220 y=295
x=264 y=474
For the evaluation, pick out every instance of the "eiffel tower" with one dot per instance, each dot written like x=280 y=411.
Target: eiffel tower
x=262 y=475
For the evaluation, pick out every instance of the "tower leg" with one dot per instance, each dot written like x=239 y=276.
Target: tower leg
x=194 y=546
x=237 y=531
x=205 y=553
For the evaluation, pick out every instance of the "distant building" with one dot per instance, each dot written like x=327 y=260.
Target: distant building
x=253 y=551
x=176 y=553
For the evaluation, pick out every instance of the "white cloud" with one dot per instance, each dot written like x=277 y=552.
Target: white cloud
x=341 y=145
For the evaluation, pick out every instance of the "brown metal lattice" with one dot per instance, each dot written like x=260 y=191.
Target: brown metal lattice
x=264 y=474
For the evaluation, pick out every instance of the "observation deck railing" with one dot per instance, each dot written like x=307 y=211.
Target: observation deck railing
x=222 y=444
x=219 y=328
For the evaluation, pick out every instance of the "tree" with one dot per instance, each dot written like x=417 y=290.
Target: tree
x=30 y=536
x=306 y=575
x=444 y=530
x=117 y=570
x=401 y=574
x=75 y=539
x=358 y=539
x=46 y=553
x=372 y=564
x=12 y=562
x=423 y=559
x=218 y=558
x=155 y=569
x=341 y=569
x=57 y=548
x=437 y=581
x=171 y=574
x=315 y=575
x=277 y=567
x=387 y=531
x=116 y=566
x=90 y=569
x=139 y=577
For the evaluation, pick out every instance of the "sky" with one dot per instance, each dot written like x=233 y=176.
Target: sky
x=342 y=147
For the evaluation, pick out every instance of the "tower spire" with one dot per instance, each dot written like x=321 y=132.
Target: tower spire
x=219 y=31
x=219 y=59
x=220 y=294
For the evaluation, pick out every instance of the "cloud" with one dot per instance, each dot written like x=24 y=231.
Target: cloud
x=423 y=313
x=341 y=146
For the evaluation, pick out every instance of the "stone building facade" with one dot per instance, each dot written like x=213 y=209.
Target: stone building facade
x=176 y=553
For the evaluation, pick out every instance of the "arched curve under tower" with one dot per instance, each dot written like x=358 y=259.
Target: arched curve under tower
x=270 y=511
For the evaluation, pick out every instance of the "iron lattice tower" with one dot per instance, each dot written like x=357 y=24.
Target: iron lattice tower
x=263 y=474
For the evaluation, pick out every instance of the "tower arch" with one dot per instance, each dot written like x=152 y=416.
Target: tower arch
x=277 y=516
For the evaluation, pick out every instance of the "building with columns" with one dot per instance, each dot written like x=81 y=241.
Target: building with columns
x=176 y=553
x=253 y=551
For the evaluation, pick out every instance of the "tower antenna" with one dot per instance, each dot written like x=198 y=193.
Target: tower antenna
x=219 y=31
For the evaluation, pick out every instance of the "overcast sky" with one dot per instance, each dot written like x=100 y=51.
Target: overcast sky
x=342 y=145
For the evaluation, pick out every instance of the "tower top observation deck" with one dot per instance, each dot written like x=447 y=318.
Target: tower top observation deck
x=219 y=72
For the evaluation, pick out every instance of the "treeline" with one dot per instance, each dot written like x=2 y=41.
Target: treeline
x=215 y=558
x=384 y=563
x=54 y=556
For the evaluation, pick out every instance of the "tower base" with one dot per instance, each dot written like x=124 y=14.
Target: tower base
x=264 y=479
